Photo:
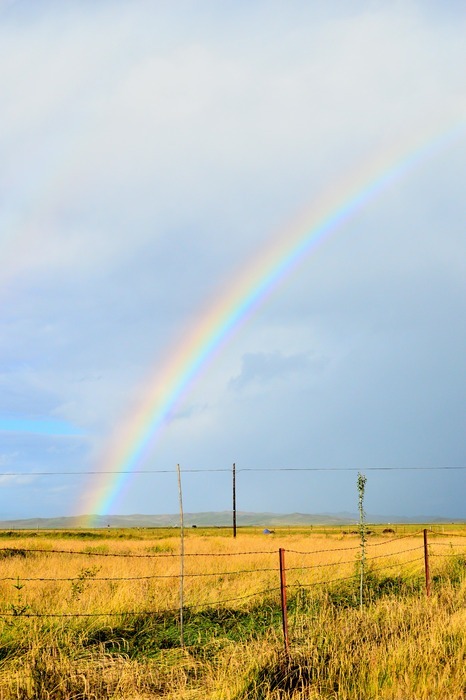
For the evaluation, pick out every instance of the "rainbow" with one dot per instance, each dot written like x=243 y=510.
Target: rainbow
x=174 y=379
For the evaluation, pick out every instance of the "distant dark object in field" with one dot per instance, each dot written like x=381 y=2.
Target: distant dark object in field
x=268 y=532
x=388 y=531
x=356 y=532
x=193 y=525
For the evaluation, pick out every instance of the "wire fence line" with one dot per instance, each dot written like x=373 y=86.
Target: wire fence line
x=24 y=611
x=357 y=547
x=147 y=578
x=397 y=564
x=349 y=578
x=158 y=555
x=205 y=574
x=395 y=539
x=139 y=613
x=175 y=555
x=352 y=561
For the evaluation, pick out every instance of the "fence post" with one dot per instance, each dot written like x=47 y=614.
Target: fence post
x=234 y=499
x=180 y=497
x=281 y=553
x=426 y=563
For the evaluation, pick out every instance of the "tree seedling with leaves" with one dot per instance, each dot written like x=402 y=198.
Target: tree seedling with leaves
x=362 y=533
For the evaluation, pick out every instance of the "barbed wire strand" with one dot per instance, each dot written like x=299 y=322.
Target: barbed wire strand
x=205 y=574
x=160 y=555
x=395 y=564
x=204 y=603
x=91 y=579
x=21 y=551
x=447 y=544
x=144 y=612
x=357 y=547
x=395 y=539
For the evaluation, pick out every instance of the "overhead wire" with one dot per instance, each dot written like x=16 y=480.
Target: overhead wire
x=228 y=470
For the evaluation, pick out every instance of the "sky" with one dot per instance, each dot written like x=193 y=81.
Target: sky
x=150 y=154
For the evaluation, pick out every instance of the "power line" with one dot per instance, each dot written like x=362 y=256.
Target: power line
x=348 y=469
x=244 y=469
x=114 y=471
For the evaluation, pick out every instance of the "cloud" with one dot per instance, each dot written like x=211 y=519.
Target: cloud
x=150 y=153
x=263 y=368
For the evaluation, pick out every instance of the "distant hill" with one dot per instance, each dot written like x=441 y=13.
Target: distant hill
x=208 y=519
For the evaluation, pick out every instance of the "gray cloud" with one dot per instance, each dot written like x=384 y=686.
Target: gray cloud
x=148 y=155
x=263 y=368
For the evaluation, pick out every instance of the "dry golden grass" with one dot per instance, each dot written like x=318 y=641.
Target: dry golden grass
x=401 y=646
x=252 y=568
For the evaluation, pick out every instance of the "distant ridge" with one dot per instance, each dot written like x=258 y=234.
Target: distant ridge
x=209 y=519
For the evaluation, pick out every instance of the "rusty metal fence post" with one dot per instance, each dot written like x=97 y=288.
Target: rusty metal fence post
x=281 y=553
x=426 y=564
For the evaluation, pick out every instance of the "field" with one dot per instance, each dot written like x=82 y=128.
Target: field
x=96 y=614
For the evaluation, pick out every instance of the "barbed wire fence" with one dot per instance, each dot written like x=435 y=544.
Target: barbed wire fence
x=423 y=544
x=378 y=563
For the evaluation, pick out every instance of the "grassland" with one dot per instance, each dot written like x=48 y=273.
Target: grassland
x=95 y=614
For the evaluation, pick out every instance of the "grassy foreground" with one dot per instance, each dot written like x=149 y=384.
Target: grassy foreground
x=121 y=638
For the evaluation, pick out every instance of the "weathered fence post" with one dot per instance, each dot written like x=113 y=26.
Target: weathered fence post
x=426 y=563
x=180 y=495
x=281 y=553
x=234 y=499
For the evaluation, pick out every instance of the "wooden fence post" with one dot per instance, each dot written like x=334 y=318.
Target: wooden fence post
x=281 y=553
x=234 y=499
x=426 y=564
x=180 y=497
